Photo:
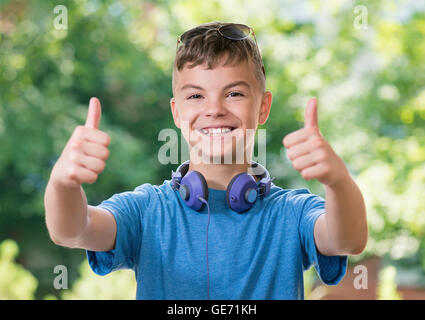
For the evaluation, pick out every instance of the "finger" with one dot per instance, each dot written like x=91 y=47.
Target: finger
x=310 y=115
x=298 y=136
x=299 y=150
x=81 y=175
x=94 y=114
x=91 y=163
x=318 y=171
x=95 y=136
x=305 y=161
x=95 y=150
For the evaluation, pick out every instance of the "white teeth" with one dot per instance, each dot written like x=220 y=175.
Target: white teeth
x=215 y=131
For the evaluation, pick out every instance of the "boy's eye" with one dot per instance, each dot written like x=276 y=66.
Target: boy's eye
x=194 y=96
x=236 y=94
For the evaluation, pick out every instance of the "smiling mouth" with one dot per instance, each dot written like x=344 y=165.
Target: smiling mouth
x=216 y=132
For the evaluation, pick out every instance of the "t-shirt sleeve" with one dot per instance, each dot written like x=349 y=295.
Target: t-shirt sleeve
x=127 y=209
x=331 y=269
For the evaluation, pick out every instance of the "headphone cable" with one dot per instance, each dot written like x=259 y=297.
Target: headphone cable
x=208 y=270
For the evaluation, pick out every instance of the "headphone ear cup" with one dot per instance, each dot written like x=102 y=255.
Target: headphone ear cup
x=241 y=192
x=204 y=185
x=194 y=185
x=229 y=189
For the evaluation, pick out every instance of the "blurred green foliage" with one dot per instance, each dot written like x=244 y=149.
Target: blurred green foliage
x=119 y=285
x=387 y=287
x=16 y=283
x=369 y=83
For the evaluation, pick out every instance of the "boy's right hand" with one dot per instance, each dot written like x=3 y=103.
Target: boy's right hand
x=85 y=153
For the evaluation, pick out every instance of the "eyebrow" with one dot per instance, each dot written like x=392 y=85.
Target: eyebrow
x=233 y=84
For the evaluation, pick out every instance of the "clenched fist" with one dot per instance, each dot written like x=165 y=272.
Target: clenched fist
x=85 y=153
x=311 y=154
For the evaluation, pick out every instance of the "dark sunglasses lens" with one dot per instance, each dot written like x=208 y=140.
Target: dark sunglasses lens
x=235 y=31
x=188 y=35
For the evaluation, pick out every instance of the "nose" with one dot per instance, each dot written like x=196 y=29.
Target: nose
x=215 y=109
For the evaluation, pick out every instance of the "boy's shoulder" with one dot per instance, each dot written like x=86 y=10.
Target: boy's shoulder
x=145 y=191
x=153 y=192
x=165 y=187
x=290 y=194
x=299 y=201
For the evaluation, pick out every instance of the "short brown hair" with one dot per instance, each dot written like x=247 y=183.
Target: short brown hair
x=210 y=47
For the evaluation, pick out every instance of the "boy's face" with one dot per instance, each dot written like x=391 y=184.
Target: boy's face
x=212 y=106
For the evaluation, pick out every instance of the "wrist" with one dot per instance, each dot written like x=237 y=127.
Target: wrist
x=339 y=183
x=58 y=185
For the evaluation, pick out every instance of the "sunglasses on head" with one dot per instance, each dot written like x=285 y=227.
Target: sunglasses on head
x=232 y=31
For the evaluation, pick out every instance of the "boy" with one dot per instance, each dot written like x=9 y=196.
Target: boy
x=216 y=250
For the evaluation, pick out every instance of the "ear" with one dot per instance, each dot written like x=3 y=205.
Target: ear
x=266 y=104
x=175 y=112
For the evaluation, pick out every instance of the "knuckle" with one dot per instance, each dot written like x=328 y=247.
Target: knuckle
x=102 y=165
x=318 y=142
x=79 y=130
x=305 y=175
x=72 y=173
x=106 y=139
x=321 y=155
x=90 y=176
x=76 y=144
x=93 y=178
x=73 y=156
x=296 y=164
x=289 y=155
x=326 y=169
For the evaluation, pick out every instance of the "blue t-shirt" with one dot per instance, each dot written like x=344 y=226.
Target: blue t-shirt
x=260 y=254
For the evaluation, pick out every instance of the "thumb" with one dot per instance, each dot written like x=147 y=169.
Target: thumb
x=94 y=114
x=310 y=115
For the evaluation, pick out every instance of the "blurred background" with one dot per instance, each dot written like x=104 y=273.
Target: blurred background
x=363 y=60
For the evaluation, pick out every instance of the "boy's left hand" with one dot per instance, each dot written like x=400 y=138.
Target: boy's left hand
x=311 y=154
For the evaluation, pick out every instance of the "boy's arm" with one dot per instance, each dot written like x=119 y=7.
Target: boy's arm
x=70 y=221
x=74 y=224
x=342 y=229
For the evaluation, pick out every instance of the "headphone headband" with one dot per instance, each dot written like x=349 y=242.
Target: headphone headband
x=177 y=176
x=263 y=176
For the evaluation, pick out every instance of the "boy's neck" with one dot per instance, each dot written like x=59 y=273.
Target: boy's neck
x=218 y=176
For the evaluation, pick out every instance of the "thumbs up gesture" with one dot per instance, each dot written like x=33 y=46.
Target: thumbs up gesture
x=85 y=153
x=310 y=153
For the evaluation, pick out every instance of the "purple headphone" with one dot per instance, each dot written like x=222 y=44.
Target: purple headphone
x=241 y=194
